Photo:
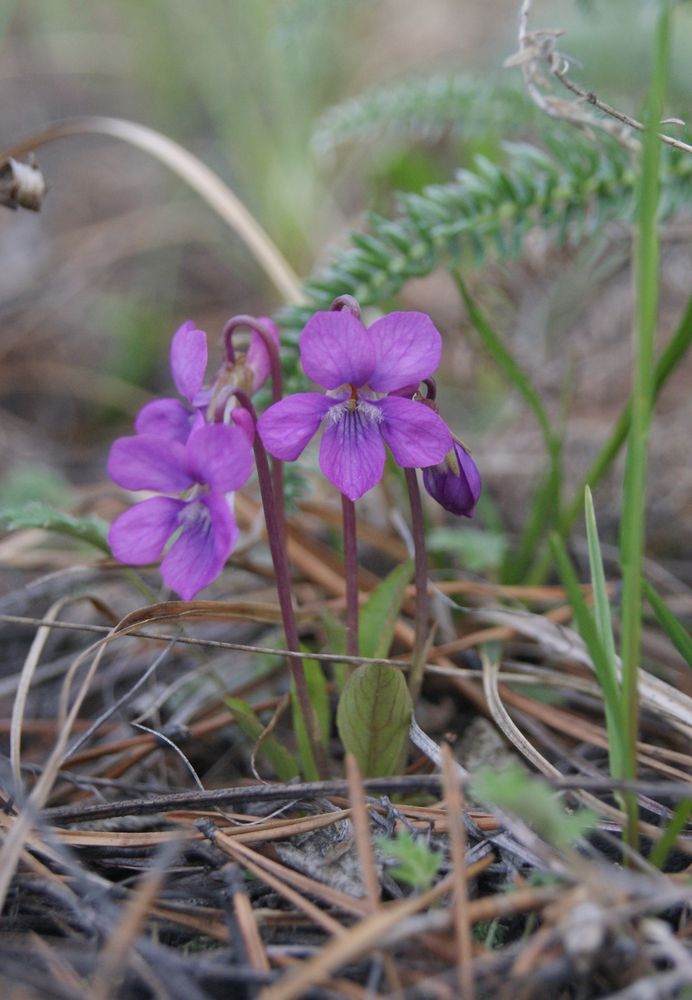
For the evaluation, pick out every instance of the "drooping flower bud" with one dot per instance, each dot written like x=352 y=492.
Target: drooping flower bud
x=455 y=483
x=246 y=371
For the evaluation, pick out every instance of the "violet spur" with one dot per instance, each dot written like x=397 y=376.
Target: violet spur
x=359 y=367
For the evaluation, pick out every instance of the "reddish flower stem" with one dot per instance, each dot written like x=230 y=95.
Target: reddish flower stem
x=277 y=547
x=421 y=584
x=277 y=389
x=348 y=510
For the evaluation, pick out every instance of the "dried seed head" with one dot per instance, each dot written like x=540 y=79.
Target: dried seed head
x=22 y=185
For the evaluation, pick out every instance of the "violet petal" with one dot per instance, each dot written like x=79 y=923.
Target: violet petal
x=416 y=434
x=220 y=456
x=139 y=535
x=149 y=462
x=287 y=426
x=199 y=554
x=352 y=453
x=408 y=349
x=188 y=359
x=165 y=418
x=336 y=349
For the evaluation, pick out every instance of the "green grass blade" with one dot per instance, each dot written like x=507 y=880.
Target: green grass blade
x=380 y=613
x=673 y=353
x=603 y=666
x=545 y=504
x=634 y=491
x=604 y=627
x=319 y=699
x=676 y=632
x=601 y=603
x=542 y=515
x=283 y=762
x=662 y=848
x=505 y=361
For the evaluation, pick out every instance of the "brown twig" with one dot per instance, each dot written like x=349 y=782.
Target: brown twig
x=537 y=51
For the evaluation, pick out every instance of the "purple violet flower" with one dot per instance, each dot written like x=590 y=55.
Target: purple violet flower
x=357 y=366
x=455 y=483
x=170 y=418
x=214 y=460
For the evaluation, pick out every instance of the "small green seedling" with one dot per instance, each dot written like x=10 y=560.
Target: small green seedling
x=418 y=862
x=534 y=802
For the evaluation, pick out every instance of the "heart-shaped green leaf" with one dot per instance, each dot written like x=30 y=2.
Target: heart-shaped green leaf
x=373 y=718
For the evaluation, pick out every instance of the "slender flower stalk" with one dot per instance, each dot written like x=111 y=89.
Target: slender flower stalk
x=277 y=549
x=348 y=509
x=421 y=584
x=262 y=359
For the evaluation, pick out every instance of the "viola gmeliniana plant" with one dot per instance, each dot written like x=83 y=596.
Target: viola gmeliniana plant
x=379 y=394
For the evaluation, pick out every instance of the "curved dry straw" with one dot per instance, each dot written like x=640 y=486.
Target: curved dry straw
x=190 y=169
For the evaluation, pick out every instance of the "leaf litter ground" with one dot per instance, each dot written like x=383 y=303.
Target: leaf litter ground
x=148 y=849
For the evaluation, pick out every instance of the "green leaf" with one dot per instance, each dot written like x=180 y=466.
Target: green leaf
x=373 y=718
x=379 y=614
x=39 y=515
x=418 y=862
x=674 y=629
x=532 y=801
x=281 y=760
x=319 y=699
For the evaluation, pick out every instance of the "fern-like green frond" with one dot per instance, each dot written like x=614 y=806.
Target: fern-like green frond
x=568 y=191
x=423 y=110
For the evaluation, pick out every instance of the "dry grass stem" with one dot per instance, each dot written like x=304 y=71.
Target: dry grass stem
x=196 y=175
x=454 y=802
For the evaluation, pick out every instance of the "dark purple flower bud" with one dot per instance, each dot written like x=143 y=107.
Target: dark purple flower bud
x=455 y=483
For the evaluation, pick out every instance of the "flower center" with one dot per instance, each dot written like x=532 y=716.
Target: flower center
x=194 y=514
x=356 y=408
